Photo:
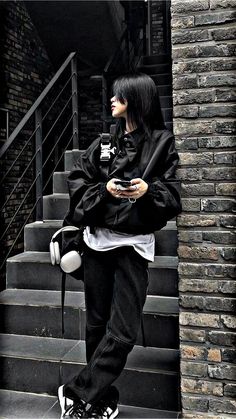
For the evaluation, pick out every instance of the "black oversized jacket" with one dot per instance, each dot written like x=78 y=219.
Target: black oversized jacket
x=153 y=159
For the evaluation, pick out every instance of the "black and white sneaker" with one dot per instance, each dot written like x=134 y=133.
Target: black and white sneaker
x=103 y=410
x=70 y=408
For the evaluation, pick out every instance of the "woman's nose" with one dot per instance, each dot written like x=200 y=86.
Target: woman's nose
x=112 y=99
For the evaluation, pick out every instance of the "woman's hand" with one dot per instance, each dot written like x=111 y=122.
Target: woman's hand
x=137 y=190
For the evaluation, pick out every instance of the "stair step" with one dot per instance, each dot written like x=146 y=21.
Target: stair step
x=165 y=90
x=33 y=270
x=155 y=68
x=37 y=235
x=166 y=102
x=55 y=206
x=162 y=79
x=27 y=361
x=38 y=313
x=70 y=158
x=156 y=59
x=17 y=404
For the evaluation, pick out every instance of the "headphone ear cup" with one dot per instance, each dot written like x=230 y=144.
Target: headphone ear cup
x=52 y=253
x=57 y=253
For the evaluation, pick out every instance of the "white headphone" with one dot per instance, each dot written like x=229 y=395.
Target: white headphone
x=71 y=260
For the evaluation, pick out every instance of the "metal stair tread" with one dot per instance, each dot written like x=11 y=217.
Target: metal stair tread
x=75 y=299
x=73 y=351
x=43 y=406
x=170 y=262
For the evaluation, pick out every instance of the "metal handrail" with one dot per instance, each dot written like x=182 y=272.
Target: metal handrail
x=36 y=181
x=36 y=105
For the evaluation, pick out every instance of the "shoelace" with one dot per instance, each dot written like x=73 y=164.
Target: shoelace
x=99 y=411
x=76 y=410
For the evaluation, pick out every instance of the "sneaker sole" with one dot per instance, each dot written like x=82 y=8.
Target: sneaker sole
x=61 y=400
x=114 y=414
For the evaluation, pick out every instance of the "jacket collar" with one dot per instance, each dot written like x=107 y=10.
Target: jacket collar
x=133 y=138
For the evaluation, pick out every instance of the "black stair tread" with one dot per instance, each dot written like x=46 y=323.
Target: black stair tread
x=17 y=404
x=171 y=225
x=170 y=262
x=26 y=297
x=73 y=351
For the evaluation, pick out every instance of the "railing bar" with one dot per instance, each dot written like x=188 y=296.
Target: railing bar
x=58 y=140
x=18 y=209
x=19 y=234
x=1 y=181
x=50 y=130
x=57 y=98
x=62 y=154
x=35 y=105
x=19 y=180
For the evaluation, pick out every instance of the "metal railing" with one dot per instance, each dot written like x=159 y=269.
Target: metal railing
x=34 y=150
x=125 y=58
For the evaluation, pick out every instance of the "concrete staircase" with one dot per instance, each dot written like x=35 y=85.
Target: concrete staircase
x=159 y=68
x=33 y=355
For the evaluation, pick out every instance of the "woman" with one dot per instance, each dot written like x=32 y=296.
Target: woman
x=119 y=238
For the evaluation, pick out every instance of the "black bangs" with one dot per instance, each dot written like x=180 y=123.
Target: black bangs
x=142 y=96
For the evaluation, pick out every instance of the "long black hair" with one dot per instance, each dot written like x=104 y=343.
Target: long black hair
x=143 y=100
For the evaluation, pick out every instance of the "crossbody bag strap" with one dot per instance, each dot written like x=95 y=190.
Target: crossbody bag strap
x=107 y=149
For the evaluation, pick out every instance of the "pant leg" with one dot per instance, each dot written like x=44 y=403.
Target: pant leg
x=109 y=358
x=98 y=288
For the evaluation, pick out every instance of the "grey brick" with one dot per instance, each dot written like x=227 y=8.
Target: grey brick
x=217 y=80
x=222 y=406
x=197 y=189
x=194 y=96
x=185 y=82
x=217 y=142
x=214 y=18
x=230 y=390
x=209 y=111
x=185 y=36
x=225 y=127
x=225 y=158
x=228 y=221
x=185 y=111
x=227 y=287
x=219 y=173
x=218 y=205
x=225 y=95
x=221 y=237
x=218 y=4
x=227 y=372
x=222 y=338
x=192 y=403
x=196 y=158
x=181 y=6
x=220 y=34
x=228 y=355
x=228 y=321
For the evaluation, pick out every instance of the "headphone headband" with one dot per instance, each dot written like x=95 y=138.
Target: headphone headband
x=67 y=228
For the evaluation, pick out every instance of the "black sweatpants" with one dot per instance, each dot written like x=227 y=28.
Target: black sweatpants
x=115 y=292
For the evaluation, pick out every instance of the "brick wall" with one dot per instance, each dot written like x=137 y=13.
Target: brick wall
x=204 y=128
x=156 y=20
x=25 y=71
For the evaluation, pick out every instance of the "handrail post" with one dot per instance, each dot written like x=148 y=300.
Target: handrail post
x=104 y=103
x=75 y=102
x=39 y=165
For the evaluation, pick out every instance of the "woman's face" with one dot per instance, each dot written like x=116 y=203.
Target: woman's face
x=118 y=109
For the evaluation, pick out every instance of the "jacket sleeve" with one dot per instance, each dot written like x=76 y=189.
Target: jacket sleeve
x=86 y=190
x=163 y=194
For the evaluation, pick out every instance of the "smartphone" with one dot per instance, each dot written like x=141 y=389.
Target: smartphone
x=123 y=184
